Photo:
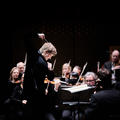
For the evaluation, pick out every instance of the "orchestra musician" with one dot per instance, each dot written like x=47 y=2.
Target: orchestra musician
x=77 y=69
x=70 y=75
x=14 y=104
x=21 y=68
x=113 y=65
x=90 y=79
x=66 y=70
x=104 y=76
x=74 y=75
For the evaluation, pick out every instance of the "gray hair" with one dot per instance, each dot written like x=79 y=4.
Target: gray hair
x=91 y=73
x=19 y=63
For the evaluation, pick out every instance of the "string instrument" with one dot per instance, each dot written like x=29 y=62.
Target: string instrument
x=67 y=75
x=48 y=81
x=18 y=81
x=81 y=78
x=53 y=82
x=117 y=63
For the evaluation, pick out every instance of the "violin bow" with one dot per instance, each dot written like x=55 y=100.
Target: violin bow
x=25 y=61
x=69 y=62
x=82 y=71
x=54 y=64
x=98 y=66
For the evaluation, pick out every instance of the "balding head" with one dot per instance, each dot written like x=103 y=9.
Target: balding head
x=115 y=56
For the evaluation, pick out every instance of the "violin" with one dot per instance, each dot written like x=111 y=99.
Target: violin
x=66 y=75
x=81 y=78
x=118 y=63
x=53 y=82
x=48 y=81
x=19 y=81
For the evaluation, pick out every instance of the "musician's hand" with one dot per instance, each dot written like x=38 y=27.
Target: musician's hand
x=116 y=67
x=41 y=36
x=78 y=83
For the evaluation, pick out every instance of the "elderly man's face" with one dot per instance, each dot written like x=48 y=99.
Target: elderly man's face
x=115 y=56
x=89 y=80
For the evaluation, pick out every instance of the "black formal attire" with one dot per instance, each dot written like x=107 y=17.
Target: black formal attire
x=104 y=104
x=108 y=65
x=13 y=104
x=33 y=87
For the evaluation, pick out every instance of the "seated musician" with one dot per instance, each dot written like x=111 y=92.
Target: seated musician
x=73 y=78
x=14 y=103
x=77 y=69
x=105 y=79
x=21 y=68
x=74 y=75
x=66 y=69
x=90 y=79
x=113 y=65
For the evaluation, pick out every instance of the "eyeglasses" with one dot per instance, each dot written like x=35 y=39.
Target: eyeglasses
x=89 y=80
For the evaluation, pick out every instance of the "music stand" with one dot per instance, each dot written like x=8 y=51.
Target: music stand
x=76 y=98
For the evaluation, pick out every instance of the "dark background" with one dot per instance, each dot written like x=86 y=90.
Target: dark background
x=78 y=36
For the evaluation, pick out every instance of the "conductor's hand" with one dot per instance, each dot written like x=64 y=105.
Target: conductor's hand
x=41 y=36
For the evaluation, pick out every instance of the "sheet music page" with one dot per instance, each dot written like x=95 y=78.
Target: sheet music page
x=74 y=89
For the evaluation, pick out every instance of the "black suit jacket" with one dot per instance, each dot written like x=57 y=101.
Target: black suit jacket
x=108 y=65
